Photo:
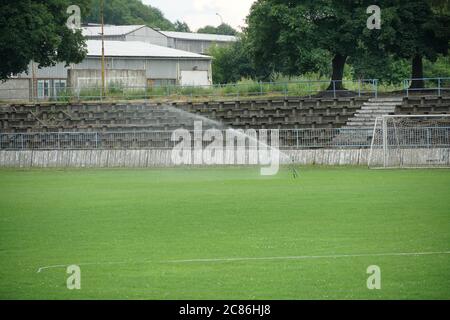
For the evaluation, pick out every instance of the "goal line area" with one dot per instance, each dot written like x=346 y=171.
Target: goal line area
x=410 y=141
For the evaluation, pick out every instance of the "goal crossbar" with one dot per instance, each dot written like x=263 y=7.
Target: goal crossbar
x=410 y=141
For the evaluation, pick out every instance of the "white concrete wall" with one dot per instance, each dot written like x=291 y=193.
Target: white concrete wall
x=92 y=78
x=15 y=89
x=155 y=158
x=163 y=158
x=148 y=35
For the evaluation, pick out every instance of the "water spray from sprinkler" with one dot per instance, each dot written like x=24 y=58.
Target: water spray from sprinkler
x=295 y=173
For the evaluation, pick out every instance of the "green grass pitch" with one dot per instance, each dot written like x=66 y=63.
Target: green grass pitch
x=129 y=229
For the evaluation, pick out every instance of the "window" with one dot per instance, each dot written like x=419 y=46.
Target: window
x=50 y=88
x=59 y=87
x=161 y=82
x=43 y=89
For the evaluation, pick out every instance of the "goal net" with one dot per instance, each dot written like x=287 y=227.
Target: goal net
x=421 y=141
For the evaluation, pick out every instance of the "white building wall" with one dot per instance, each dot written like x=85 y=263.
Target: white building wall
x=196 y=46
x=148 y=35
x=15 y=89
x=154 y=69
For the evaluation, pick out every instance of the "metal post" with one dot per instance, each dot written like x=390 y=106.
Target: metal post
x=439 y=87
x=334 y=88
x=375 y=84
x=385 y=141
x=309 y=88
x=359 y=88
x=405 y=86
x=103 y=49
x=34 y=93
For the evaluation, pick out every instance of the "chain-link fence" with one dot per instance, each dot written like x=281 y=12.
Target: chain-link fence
x=288 y=139
x=302 y=88
x=331 y=138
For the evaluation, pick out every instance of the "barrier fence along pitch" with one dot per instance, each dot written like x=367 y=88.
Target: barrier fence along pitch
x=288 y=139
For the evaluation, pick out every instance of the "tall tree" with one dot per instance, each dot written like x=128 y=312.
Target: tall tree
x=35 y=30
x=421 y=31
x=231 y=63
x=181 y=26
x=285 y=33
x=223 y=29
x=126 y=12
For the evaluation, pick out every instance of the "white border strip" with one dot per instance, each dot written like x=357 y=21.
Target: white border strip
x=334 y=256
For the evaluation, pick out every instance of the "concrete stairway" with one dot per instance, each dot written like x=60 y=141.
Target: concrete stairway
x=359 y=129
x=366 y=116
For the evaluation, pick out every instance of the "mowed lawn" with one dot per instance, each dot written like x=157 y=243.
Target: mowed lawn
x=130 y=231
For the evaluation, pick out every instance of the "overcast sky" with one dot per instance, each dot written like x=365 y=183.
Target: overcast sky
x=198 y=13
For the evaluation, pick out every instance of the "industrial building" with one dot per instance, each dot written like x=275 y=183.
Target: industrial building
x=187 y=41
x=196 y=42
x=135 y=56
x=128 y=63
x=125 y=33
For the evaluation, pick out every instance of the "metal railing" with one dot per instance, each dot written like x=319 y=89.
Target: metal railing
x=137 y=140
x=439 y=86
x=304 y=88
x=328 y=138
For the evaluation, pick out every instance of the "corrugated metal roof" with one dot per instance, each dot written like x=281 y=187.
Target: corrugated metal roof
x=199 y=36
x=138 y=49
x=110 y=30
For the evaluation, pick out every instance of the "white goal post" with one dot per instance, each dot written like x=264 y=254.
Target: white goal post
x=410 y=141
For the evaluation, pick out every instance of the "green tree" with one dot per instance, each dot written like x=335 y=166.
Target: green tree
x=441 y=7
x=223 y=29
x=226 y=29
x=181 y=26
x=287 y=33
x=421 y=31
x=127 y=12
x=231 y=63
x=36 y=31
x=385 y=68
x=440 y=68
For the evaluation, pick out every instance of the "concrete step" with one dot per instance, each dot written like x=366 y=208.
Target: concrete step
x=361 y=124
x=378 y=107
x=375 y=113
x=370 y=111
x=368 y=115
x=380 y=100
x=376 y=104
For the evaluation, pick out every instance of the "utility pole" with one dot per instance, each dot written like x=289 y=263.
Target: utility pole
x=34 y=93
x=103 y=48
x=221 y=19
